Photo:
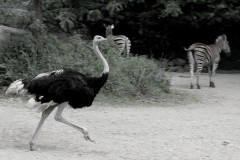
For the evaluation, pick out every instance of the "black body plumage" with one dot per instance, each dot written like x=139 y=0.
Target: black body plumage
x=65 y=85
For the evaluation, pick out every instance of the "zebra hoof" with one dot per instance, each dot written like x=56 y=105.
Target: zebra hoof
x=191 y=87
x=212 y=85
x=198 y=87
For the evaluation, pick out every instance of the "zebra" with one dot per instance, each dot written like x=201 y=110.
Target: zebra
x=207 y=55
x=123 y=43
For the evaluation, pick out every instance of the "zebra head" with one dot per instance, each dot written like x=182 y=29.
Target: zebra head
x=109 y=29
x=222 y=41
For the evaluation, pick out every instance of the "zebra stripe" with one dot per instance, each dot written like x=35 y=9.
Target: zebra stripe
x=123 y=43
x=206 y=55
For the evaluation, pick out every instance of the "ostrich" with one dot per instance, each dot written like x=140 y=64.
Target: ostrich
x=54 y=89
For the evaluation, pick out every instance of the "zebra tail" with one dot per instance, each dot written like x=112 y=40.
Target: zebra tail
x=17 y=88
x=191 y=58
x=187 y=49
x=127 y=46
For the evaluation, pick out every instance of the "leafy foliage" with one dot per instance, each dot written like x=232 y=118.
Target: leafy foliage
x=67 y=20
x=171 y=9
x=15 y=17
x=134 y=76
x=115 y=7
x=94 y=15
x=155 y=23
x=155 y=27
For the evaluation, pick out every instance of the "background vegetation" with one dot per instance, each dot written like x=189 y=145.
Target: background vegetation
x=157 y=29
x=133 y=76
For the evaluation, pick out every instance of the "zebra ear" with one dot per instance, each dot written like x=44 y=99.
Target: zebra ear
x=224 y=37
x=112 y=26
x=104 y=25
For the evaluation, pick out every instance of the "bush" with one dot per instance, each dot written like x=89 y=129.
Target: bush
x=131 y=76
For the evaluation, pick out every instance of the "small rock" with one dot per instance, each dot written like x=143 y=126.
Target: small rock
x=225 y=143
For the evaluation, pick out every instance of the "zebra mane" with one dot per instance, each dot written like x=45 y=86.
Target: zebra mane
x=223 y=44
x=221 y=38
x=219 y=41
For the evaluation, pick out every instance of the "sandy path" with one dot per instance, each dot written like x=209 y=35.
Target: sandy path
x=206 y=128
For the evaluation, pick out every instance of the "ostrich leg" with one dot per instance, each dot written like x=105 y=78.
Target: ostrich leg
x=58 y=117
x=45 y=114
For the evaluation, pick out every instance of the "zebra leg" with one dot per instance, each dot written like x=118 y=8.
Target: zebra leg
x=191 y=66
x=214 y=68
x=198 y=74
x=211 y=84
x=199 y=70
x=191 y=75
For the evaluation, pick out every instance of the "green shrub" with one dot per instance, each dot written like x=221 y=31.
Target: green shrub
x=130 y=76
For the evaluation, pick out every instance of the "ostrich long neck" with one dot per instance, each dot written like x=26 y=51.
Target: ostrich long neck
x=99 y=54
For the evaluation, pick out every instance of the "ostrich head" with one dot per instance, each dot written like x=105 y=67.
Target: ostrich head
x=98 y=39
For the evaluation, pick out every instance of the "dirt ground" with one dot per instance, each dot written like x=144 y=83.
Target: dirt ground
x=203 y=124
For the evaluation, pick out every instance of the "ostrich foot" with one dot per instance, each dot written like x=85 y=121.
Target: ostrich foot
x=31 y=146
x=87 y=137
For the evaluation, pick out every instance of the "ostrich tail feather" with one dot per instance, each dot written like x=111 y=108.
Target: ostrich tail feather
x=16 y=88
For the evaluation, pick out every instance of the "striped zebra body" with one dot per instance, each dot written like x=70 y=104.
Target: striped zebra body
x=206 y=55
x=123 y=43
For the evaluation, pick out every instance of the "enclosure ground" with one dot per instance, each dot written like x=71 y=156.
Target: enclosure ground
x=203 y=124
